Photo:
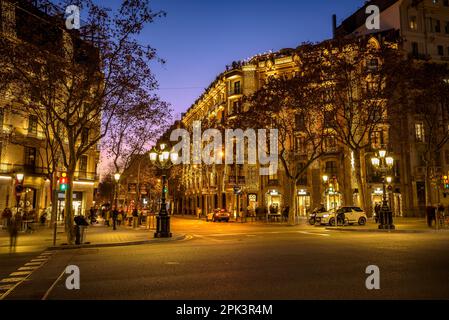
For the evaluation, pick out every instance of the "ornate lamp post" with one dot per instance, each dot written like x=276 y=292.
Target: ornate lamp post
x=164 y=160
x=325 y=181
x=117 y=179
x=384 y=164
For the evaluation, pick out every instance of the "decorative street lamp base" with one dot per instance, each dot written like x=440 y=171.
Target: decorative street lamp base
x=386 y=219
x=163 y=227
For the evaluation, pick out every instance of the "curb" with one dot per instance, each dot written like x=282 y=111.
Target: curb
x=118 y=244
x=378 y=230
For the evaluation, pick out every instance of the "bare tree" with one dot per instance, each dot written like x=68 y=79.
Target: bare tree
x=428 y=85
x=361 y=79
x=81 y=79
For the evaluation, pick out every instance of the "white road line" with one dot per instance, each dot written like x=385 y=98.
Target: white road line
x=315 y=234
x=12 y=280
x=47 y=293
x=20 y=273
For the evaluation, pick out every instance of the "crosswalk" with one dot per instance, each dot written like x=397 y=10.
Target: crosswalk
x=8 y=284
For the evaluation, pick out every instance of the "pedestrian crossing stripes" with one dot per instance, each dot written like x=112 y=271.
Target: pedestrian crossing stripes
x=7 y=285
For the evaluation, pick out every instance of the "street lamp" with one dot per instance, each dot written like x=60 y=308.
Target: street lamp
x=164 y=160
x=19 y=189
x=384 y=164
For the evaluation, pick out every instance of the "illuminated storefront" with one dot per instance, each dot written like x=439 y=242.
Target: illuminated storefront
x=302 y=202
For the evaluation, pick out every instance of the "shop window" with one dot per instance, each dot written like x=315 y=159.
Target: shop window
x=440 y=50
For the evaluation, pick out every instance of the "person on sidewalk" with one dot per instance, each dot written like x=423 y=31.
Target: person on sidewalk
x=135 y=217
x=114 y=219
x=440 y=215
x=14 y=226
x=430 y=214
x=6 y=217
x=120 y=218
x=107 y=218
x=285 y=213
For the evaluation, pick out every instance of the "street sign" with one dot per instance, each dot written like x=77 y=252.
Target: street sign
x=237 y=189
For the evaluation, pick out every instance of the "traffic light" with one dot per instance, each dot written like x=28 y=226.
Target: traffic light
x=165 y=189
x=63 y=182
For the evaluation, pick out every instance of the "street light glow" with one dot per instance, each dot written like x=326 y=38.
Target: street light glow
x=375 y=161
x=117 y=177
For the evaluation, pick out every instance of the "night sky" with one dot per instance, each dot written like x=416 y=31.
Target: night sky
x=198 y=38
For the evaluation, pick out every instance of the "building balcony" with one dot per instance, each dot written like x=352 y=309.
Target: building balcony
x=86 y=176
x=232 y=93
x=273 y=183
x=11 y=169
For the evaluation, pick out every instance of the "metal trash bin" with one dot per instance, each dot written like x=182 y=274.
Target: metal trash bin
x=80 y=234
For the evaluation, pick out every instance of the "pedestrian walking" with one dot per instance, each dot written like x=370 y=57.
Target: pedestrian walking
x=13 y=228
x=135 y=217
x=440 y=216
x=430 y=214
x=6 y=217
x=114 y=219
x=377 y=212
x=285 y=213
x=120 y=218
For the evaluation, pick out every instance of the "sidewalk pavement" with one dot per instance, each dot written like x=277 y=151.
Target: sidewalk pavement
x=402 y=225
x=96 y=236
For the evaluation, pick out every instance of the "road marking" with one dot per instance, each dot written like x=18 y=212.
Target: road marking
x=8 y=285
x=47 y=293
x=172 y=263
x=315 y=234
x=207 y=238
x=11 y=280
x=27 y=268
x=20 y=273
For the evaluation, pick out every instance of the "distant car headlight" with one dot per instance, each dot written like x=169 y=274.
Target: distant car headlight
x=325 y=215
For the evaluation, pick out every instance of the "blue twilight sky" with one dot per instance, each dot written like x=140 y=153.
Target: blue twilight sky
x=198 y=38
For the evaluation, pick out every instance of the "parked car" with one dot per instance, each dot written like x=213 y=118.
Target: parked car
x=347 y=214
x=218 y=215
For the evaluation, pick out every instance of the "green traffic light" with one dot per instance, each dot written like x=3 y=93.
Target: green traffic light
x=63 y=187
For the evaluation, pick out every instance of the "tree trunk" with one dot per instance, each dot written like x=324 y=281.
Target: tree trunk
x=292 y=211
x=359 y=179
x=69 y=214
x=428 y=185
x=54 y=199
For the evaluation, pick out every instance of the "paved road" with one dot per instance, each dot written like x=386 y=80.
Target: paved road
x=243 y=261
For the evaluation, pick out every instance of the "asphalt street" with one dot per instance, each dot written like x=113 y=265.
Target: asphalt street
x=248 y=261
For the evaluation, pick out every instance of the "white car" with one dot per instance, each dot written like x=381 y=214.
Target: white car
x=351 y=215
